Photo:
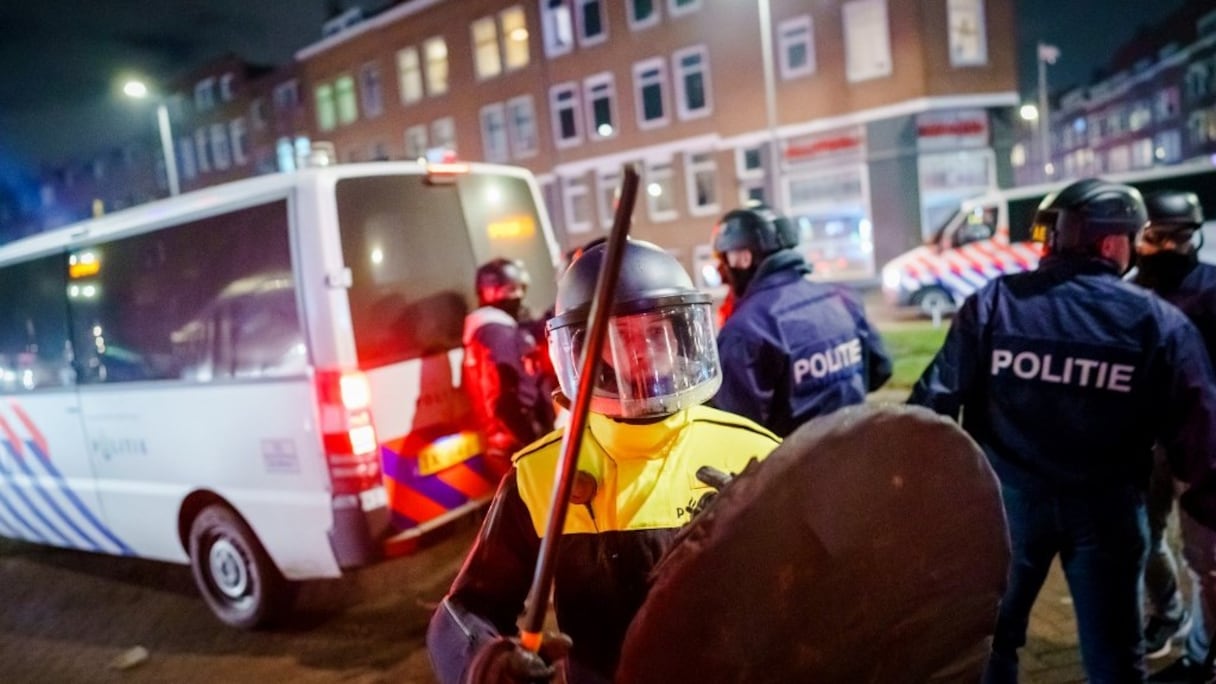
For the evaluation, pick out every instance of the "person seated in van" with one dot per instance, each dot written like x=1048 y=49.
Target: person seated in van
x=791 y=349
x=504 y=373
x=646 y=437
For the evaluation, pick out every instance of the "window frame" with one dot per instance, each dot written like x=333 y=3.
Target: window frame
x=573 y=188
x=436 y=70
x=651 y=64
x=580 y=14
x=664 y=170
x=551 y=12
x=412 y=132
x=674 y=9
x=496 y=148
x=518 y=148
x=591 y=84
x=691 y=169
x=556 y=108
x=679 y=79
x=805 y=24
x=238 y=135
x=636 y=24
x=487 y=55
x=410 y=79
x=508 y=64
x=371 y=89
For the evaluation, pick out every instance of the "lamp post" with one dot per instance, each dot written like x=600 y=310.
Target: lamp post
x=138 y=90
x=770 y=102
x=1045 y=54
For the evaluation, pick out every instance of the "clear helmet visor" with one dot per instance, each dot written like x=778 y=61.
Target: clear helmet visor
x=653 y=363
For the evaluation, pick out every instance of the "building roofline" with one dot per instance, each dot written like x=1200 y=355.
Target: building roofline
x=372 y=23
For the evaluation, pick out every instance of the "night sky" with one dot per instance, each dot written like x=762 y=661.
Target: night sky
x=63 y=60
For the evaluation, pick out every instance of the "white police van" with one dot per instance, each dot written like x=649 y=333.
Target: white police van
x=990 y=236
x=260 y=379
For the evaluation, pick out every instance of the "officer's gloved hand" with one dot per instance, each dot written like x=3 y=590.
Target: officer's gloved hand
x=505 y=661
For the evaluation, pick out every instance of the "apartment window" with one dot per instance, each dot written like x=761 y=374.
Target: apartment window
x=600 y=94
x=370 y=89
x=220 y=157
x=660 y=192
x=867 y=39
x=409 y=75
x=379 y=151
x=968 y=33
x=200 y=149
x=344 y=94
x=185 y=153
x=1166 y=106
x=327 y=114
x=692 y=82
x=1142 y=153
x=443 y=133
x=642 y=13
x=494 y=132
x=257 y=114
x=577 y=205
x=608 y=190
x=701 y=179
x=649 y=84
x=435 y=51
x=591 y=26
x=521 y=122
x=1197 y=129
x=796 y=47
x=1167 y=146
x=226 y=88
x=678 y=7
x=204 y=95
x=563 y=102
x=487 y=62
x=240 y=140
x=1196 y=81
x=749 y=162
x=557 y=25
x=415 y=142
x=515 y=37
x=287 y=95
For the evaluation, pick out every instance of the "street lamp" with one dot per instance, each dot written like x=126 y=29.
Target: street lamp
x=139 y=90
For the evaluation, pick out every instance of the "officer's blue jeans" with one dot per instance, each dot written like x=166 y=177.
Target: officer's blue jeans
x=1100 y=538
x=1161 y=571
x=1199 y=550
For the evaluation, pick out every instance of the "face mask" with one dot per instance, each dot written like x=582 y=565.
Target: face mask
x=740 y=278
x=1165 y=268
x=511 y=307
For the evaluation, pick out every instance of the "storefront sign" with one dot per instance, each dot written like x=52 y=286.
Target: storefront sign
x=951 y=130
x=847 y=143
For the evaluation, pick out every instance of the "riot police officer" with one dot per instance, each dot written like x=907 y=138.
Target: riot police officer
x=504 y=372
x=1065 y=376
x=647 y=435
x=1167 y=252
x=791 y=349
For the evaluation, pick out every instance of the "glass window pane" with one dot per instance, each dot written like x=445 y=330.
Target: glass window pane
x=34 y=347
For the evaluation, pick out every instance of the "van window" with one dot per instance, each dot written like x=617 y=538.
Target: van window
x=34 y=349
x=203 y=300
x=980 y=224
x=413 y=246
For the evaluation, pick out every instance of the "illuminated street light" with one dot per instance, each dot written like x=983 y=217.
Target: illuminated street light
x=1029 y=112
x=139 y=90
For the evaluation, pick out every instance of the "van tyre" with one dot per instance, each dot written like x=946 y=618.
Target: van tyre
x=233 y=572
x=933 y=299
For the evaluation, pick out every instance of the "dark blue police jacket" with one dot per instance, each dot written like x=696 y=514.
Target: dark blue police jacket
x=792 y=349
x=1066 y=375
x=1195 y=295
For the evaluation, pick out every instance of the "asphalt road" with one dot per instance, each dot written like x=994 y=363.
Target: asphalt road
x=69 y=616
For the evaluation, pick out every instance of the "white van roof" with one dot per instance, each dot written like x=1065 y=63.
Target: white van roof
x=217 y=198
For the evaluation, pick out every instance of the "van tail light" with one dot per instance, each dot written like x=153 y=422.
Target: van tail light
x=351 y=448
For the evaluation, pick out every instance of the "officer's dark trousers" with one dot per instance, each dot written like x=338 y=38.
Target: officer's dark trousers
x=1100 y=538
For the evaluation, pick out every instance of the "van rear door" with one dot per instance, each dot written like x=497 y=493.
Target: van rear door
x=412 y=244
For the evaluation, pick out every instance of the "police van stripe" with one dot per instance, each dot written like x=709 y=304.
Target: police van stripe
x=36 y=485
x=39 y=447
x=10 y=480
x=34 y=534
x=79 y=505
x=415 y=498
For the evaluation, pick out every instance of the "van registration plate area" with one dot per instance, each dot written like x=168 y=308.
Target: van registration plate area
x=448 y=451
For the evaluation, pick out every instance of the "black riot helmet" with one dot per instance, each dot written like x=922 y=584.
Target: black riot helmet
x=1173 y=216
x=659 y=355
x=758 y=229
x=501 y=280
x=1077 y=218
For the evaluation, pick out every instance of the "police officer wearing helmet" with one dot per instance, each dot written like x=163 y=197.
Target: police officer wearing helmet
x=1066 y=376
x=646 y=437
x=791 y=349
x=1167 y=263
x=505 y=373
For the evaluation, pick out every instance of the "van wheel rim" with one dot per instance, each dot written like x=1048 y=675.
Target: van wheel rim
x=228 y=569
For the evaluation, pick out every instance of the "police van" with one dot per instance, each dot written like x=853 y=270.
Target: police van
x=990 y=236
x=259 y=379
